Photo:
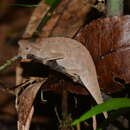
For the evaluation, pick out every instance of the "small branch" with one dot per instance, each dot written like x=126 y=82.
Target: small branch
x=15 y=89
x=64 y=102
x=57 y=115
x=115 y=7
x=9 y=62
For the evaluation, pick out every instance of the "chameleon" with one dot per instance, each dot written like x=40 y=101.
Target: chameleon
x=67 y=56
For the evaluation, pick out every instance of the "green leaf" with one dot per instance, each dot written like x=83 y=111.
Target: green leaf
x=51 y=2
x=111 y=104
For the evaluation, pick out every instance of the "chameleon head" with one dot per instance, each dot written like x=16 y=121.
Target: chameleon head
x=24 y=48
x=28 y=50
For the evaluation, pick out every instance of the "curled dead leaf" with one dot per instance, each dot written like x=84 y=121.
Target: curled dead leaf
x=25 y=104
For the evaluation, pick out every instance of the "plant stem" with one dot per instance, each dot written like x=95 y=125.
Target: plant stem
x=115 y=7
x=46 y=17
x=65 y=123
x=9 y=62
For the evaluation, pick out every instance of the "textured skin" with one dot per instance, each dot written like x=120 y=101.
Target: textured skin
x=71 y=57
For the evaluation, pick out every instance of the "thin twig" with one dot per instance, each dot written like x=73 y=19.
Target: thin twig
x=16 y=89
x=57 y=115
x=9 y=62
x=78 y=126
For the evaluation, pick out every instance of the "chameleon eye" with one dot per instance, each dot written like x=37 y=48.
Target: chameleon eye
x=27 y=49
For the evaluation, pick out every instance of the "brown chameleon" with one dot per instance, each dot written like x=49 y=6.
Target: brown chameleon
x=67 y=56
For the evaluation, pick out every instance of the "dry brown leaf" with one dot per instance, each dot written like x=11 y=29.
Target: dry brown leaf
x=72 y=18
x=5 y=6
x=25 y=104
x=28 y=121
x=110 y=52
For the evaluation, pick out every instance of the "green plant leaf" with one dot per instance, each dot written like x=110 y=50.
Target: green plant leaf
x=111 y=104
x=51 y=2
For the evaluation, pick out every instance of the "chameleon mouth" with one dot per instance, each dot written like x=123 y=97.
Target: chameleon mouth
x=27 y=58
x=30 y=56
x=43 y=60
